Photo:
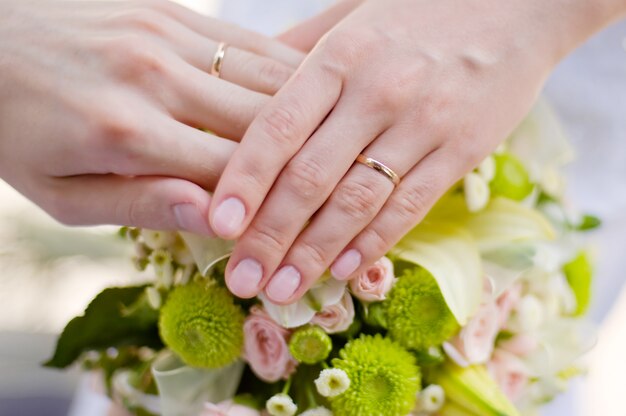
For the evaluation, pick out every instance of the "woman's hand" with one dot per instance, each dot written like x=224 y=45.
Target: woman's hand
x=429 y=88
x=99 y=104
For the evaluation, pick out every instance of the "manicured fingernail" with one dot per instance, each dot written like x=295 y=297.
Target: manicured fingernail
x=284 y=284
x=189 y=219
x=228 y=217
x=345 y=265
x=245 y=278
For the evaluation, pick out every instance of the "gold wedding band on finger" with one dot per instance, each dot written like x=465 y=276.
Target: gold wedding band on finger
x=218 y=58
x=379 y=167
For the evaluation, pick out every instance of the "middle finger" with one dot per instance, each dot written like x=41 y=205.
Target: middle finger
x=308 y=179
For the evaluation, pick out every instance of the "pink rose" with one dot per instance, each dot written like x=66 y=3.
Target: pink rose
x=265 y=347
x=228 y=408
x=507 y=302
x=509 y=372
x=475 y=343
x=374 y=283
x=336 y=318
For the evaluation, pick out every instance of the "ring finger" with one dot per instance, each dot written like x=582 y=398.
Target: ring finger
x=355 y=202
x=247 y=69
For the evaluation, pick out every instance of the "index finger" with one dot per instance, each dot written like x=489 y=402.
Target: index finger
x=273 y=138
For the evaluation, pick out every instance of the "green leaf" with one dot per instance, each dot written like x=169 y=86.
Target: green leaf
x=579 y=276
x=588 y=222
x=116 y=317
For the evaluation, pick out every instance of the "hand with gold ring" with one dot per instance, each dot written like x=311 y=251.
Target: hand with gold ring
x=100 y=105
x=425 y=89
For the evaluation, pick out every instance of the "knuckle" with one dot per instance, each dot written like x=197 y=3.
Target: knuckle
x=356 y=200
x=305 y=178
x=347 y=46
x=376 y=242
x=137 y=57
x=267 y=237
x=145 y=19
x=411 y=204
x=280 y=125
x=315 y=252
x=272 y=75
x=118 y=136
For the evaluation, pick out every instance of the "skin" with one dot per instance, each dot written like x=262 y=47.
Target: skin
x=100 y=105
x=428 y=88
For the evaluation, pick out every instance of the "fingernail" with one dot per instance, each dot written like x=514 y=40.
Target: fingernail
x=245 y=278
x=345 y=265
x=228 y=217
x=284 y=284
x=189 y=219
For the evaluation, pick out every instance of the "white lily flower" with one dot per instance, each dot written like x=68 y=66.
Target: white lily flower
x=476 y=192
x=327 y=291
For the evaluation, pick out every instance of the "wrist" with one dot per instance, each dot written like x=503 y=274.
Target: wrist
x=569 y=23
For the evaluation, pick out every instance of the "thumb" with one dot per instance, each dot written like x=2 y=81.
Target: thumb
x=305 y=35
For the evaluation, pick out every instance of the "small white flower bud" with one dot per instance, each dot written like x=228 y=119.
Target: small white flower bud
x=318 y=411
x=431 y=399
x=332 y=382
x=476 y=192
x=158 y=239
x=552 y=182
x=487 y=169
x=281 y=405
x=154 y=297
x=161 y=260
x=530 y=313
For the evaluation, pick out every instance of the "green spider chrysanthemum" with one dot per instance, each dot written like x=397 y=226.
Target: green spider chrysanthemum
x=201 y=324
x=310 y=345
x=384 y=378
x=417 y=314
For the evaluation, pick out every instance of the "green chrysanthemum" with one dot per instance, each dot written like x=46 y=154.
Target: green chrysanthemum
x=310 y=345
x=201 y=324
x=417 y=314
x=384 y=378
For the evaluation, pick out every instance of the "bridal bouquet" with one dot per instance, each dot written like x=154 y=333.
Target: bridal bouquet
x=476 y=311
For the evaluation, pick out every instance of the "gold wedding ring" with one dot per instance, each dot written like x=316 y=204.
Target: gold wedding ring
x=379 y=167
x=218 y=58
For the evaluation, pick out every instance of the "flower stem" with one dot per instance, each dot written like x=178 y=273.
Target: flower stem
x=287 y=386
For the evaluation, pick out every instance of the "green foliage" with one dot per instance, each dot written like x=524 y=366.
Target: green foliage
x=201 y=323
x=588 y=222
x=579 y=275
x=384 y=378
x=117 y=317
x=417 y=314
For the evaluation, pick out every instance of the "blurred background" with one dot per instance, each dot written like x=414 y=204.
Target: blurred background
x=49 y=273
